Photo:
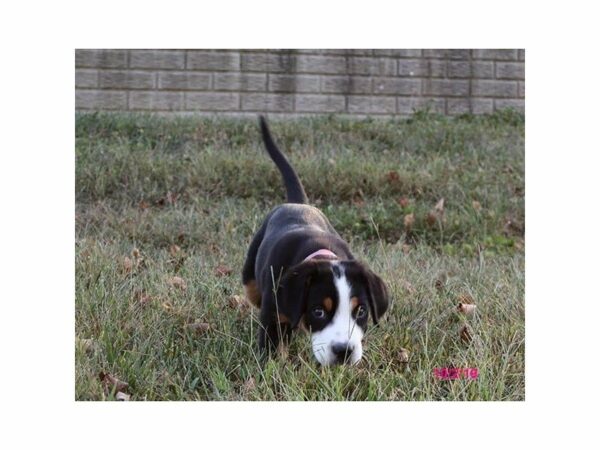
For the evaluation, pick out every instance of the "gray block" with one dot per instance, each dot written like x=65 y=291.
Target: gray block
x=156 y=101
x=101 y=58
x=245 y=82
x=396 y=86
x=371 y=105
x=268 y=102
x=510 y=70
x=320 y=103
x=470 y=69
x=346 y=84
x=209 y=61
x=516 y=104
x=447 y=88
x=157 y=59
x=126 y=79
x=494 y=88
x=100 y=100
x=268 y=62
x=408 y=105
x=184 y=81
x=293 y=83
x=497 y=54
x=86 y=78
x=212 y=101
x=447 y=53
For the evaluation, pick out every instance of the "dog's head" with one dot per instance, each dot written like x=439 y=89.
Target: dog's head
x=333 y=300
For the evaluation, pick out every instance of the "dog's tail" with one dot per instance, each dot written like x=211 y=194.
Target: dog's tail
x=293 y=186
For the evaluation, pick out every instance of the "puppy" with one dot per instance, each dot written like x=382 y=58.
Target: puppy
x=300 y=272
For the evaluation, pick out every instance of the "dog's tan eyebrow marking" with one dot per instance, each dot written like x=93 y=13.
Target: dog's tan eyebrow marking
x=354 y=303
x=328 y=304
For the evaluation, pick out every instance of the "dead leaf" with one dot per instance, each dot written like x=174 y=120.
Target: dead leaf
x=111 y=382
x=405 y=248
x=393 y=177
x=88 y=346
x=439 y=284
x=178 y=282
x=167 y=306
x=221 y=271
x=171 y=198
x=249 y=384
x=144 y=299
x=199 y=328
x=238 y=302
x=174 y=250
x=432 y=218
x=144 y=205
x=122 y=396
x=127 y=264
x=466 y=299
x=466 y=308
x=403 y=355
x=476 y=205
x=409 y=221
x=404 y=202
x=465 y=334
x=439 y=206
x=135 y=253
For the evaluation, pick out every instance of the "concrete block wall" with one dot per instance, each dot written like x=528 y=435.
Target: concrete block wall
x=300 y=82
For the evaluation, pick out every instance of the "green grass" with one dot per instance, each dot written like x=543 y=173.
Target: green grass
x=205 y=185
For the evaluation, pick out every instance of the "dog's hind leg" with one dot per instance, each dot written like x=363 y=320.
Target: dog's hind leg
x=248 y=272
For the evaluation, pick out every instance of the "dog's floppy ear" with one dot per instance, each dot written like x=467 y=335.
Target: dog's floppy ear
x=377 y=294
x=293 y=292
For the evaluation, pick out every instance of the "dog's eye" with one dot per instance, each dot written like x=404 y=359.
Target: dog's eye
x=318 y=313
x=361 y=312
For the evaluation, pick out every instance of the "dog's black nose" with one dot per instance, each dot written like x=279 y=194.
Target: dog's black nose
x=342 y=352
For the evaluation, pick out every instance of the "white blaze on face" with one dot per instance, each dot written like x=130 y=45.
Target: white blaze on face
x=342 y=329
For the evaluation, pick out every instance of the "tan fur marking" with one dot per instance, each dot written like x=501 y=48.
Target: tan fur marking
x=282 y=318
x=328 y=304
x=353 y=303
x=252 y=293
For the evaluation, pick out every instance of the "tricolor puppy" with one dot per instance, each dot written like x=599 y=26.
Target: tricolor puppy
x=300 y=272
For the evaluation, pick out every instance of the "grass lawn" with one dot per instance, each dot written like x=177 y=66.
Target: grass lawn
x=166 y=208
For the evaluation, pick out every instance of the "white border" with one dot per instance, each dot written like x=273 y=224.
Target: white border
x=38 y=186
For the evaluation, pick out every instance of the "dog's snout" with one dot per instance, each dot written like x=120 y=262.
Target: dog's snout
x=342 y=351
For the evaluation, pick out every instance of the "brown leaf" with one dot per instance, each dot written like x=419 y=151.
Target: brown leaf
x=409 y=221
x=88 y=346
x=432 y=218
x=111 y=382
x=439 y=284
x=237 y=302
x=249 y=384
x=221 y=271
x=144 y=299
x=135 y=253
x=178 y=282
x=171 y=198
x=144 y=205
x=122 y=396
x=174 y=250
x=393 y=177
x=465 y=334
x=439 y=206
x=127 y=264
x=466 y=299
x=466 y=308
x=403 y=355
x=167 y=306
x=199 y=328
x=404 y=202
x=476 y=205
